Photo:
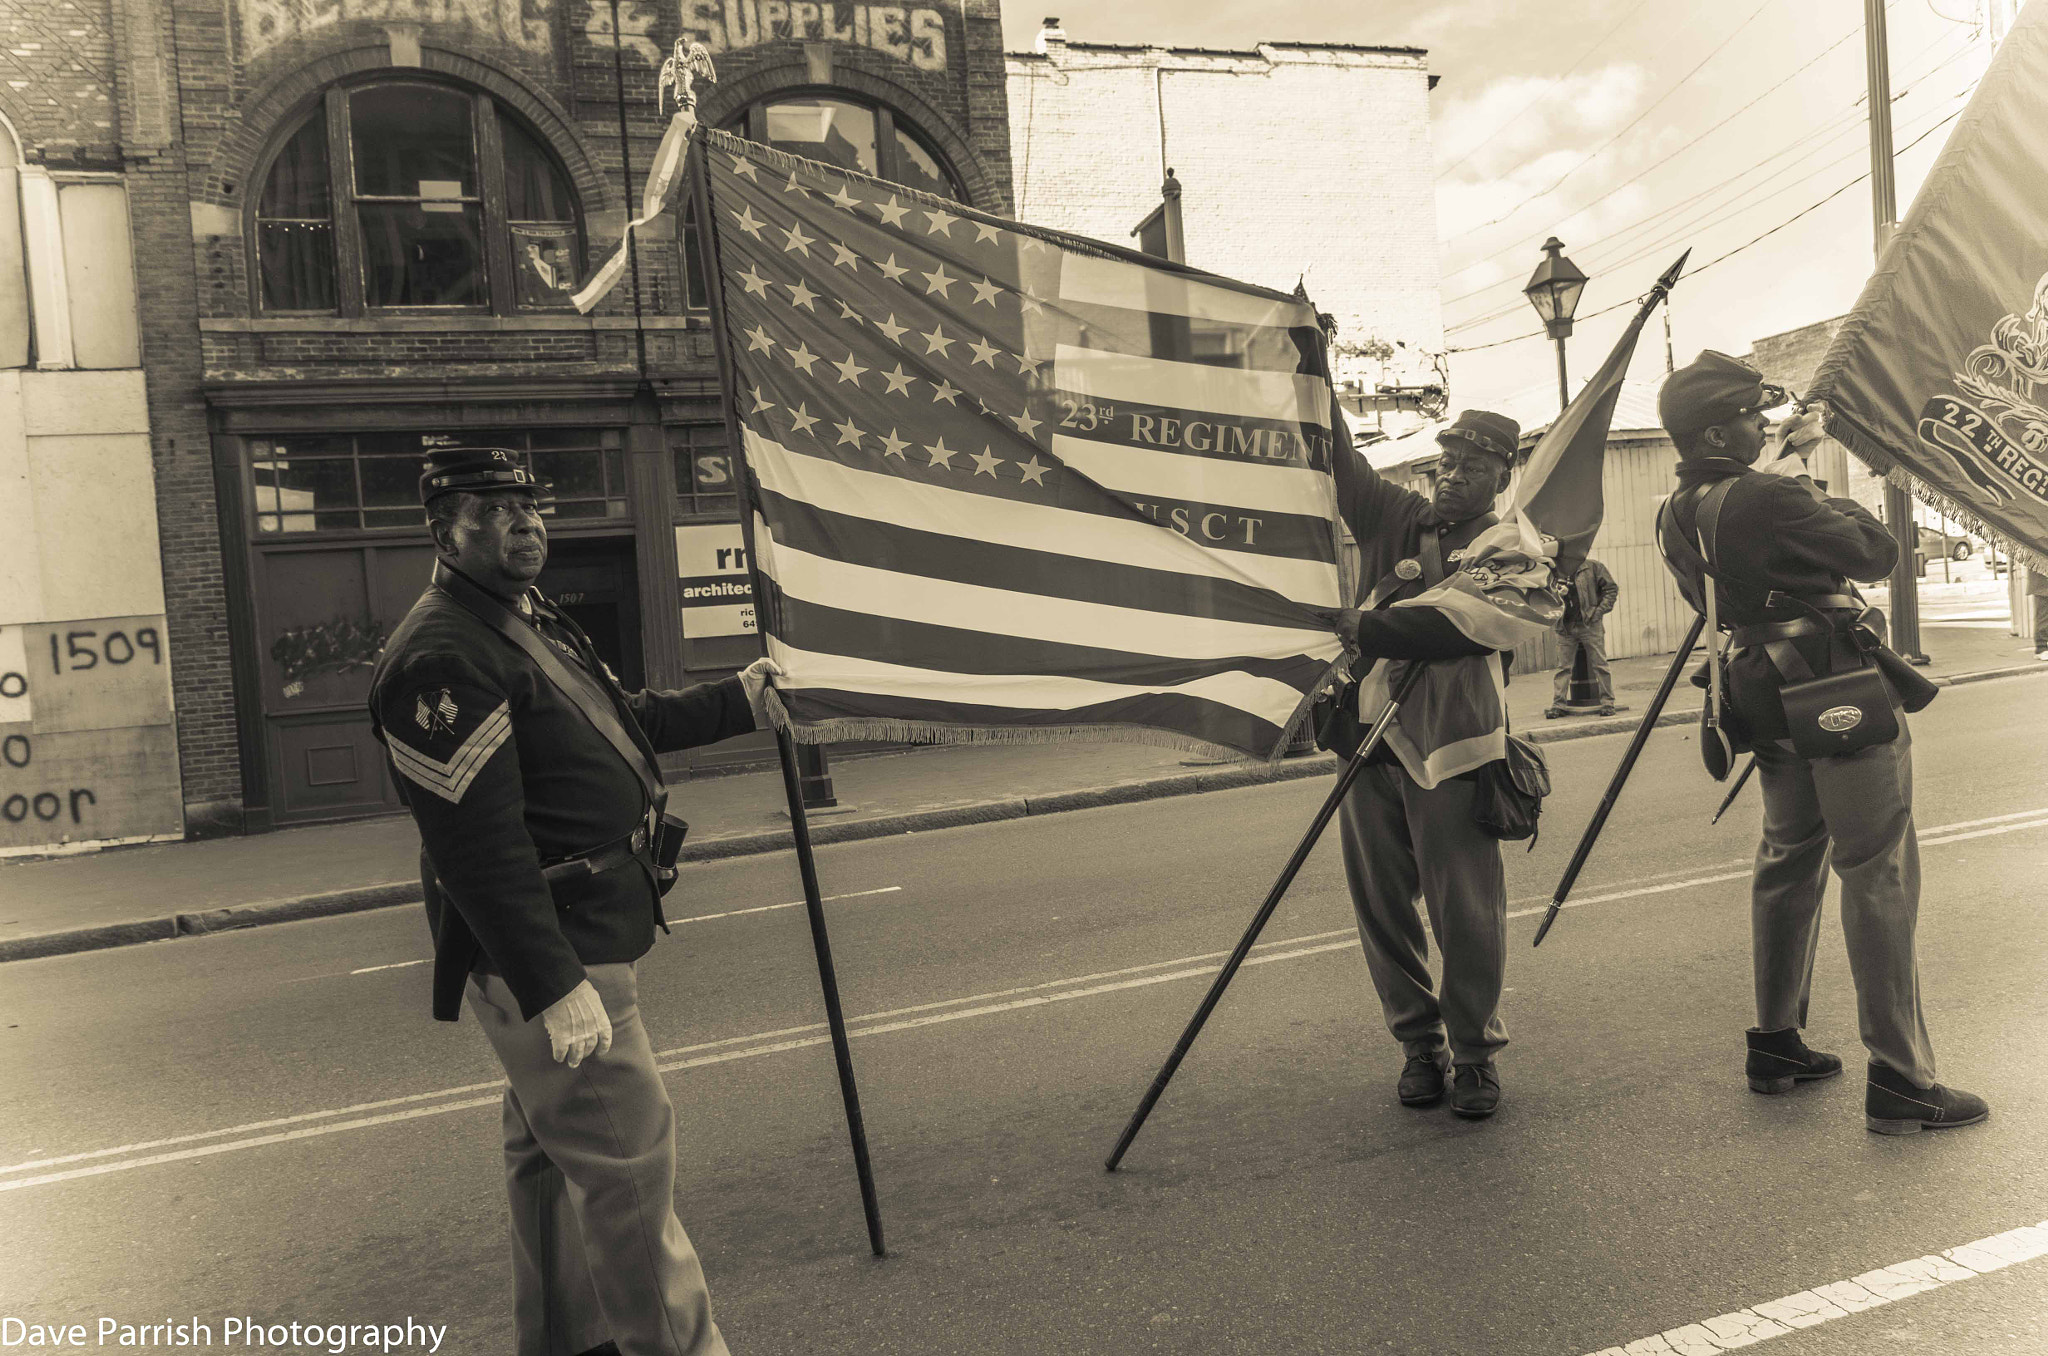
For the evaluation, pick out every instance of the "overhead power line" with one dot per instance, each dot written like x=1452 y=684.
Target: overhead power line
x=1680 y=235
x=1720 y=258
x=1549 y=87
x=1646 y=171
x=1632 y=125
x=1834 y=127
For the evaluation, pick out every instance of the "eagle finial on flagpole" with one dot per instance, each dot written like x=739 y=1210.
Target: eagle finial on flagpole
x=690 y=62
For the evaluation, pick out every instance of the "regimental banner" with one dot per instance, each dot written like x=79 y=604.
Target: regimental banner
x=717 y=590
x=88 y=752
x=1939 y=376
x=1012 y=485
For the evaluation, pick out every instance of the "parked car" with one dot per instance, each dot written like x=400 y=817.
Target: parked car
x=1954 y=545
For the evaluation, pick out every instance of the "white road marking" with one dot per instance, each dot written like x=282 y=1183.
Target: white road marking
x=771 y=908
x=1839 y=1299
x=1638 y=893
x=697 y=918
x=920 y=1015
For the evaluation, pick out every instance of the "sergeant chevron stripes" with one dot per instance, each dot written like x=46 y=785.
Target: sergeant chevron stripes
x=450 y=780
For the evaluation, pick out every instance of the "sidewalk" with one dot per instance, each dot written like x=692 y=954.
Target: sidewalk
x=155 y=892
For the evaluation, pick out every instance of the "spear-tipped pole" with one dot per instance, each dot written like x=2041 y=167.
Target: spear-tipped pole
x=1614 y=784
x=1659 y=290
x=1245 y=943
x=1748 y=771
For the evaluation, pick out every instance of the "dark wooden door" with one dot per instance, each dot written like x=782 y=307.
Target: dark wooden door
x=323 y=613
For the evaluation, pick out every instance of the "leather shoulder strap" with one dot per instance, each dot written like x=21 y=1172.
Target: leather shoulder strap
x=1431 y=553
x=1707 y=520
x=595 y=706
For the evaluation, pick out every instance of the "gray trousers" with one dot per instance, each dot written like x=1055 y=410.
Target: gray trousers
x=1591 y=638
x=1399 y=842
x=1855 y=814
x=590 y=1167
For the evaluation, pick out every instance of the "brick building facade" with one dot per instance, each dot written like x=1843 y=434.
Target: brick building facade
x=1296 y=161
x=356 y=242
x=355 y=225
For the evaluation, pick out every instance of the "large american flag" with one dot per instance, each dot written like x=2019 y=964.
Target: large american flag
x=1015 y=485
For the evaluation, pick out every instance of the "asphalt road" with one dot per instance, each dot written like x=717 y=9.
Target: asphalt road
x=266 y=1123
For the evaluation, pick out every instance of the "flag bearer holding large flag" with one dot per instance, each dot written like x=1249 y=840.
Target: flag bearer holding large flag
x=1407 y=825
x=1778 y=556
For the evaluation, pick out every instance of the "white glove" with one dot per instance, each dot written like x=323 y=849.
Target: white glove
x=756 y=678
x=577 y=1025
x=1795 y=440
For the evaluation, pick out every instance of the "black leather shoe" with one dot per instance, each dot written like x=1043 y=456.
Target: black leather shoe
x=605 y=1349
x=1778 y=1059
x=1475 y=1091
x=1893 y=1106
x=1422 y=1081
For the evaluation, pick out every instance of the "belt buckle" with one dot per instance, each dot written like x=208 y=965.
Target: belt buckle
x=638 y=842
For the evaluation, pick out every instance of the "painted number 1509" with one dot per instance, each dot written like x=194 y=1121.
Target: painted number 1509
x=77 y=651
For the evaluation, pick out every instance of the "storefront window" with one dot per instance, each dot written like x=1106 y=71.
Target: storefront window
x=704 y=471
x=449 y=203
x=354 y=482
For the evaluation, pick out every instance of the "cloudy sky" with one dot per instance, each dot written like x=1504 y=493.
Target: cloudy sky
x=1630 y=129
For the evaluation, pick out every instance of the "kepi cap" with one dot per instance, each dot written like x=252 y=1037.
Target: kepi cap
x=449 y=469
x=1485 y=430
x=1713 y=389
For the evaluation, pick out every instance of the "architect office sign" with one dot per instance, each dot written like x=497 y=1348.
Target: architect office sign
x=717 y=591
x=912 y=33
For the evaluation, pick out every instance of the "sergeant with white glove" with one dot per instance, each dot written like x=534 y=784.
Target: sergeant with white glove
x=578 y=1026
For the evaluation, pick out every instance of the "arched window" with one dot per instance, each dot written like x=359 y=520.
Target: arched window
x=840 y=130
x=868 y=137
x=410 y=195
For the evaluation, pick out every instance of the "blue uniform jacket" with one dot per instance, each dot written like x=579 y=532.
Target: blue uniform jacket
x=504 y=774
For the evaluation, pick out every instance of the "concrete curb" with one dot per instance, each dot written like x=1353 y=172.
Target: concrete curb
x=1224 y=778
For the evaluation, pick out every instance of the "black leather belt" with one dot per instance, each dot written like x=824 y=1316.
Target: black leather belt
x=1763 y=633
x=597 y=861
x=1826 y=602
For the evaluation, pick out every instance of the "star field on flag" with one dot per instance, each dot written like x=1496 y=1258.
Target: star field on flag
x=1016 y=485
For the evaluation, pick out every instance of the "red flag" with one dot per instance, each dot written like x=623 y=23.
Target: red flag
x=1516 y=571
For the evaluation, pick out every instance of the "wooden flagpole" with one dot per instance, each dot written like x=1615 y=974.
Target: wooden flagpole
x=800 y=825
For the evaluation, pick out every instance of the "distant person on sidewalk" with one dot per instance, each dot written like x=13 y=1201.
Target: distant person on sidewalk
x=532 y=777
x=1778 y=555
x=2037 y=594
x=1408 y=830
x=1582 y=628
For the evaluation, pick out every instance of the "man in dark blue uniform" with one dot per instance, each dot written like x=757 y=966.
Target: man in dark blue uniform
x=1782 y=555
x=533 y=780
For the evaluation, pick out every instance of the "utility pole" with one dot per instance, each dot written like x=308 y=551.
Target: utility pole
x=1670 y=361
x=1884 y=201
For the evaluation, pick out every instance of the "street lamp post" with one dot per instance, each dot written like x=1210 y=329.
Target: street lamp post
x=1554 y=290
